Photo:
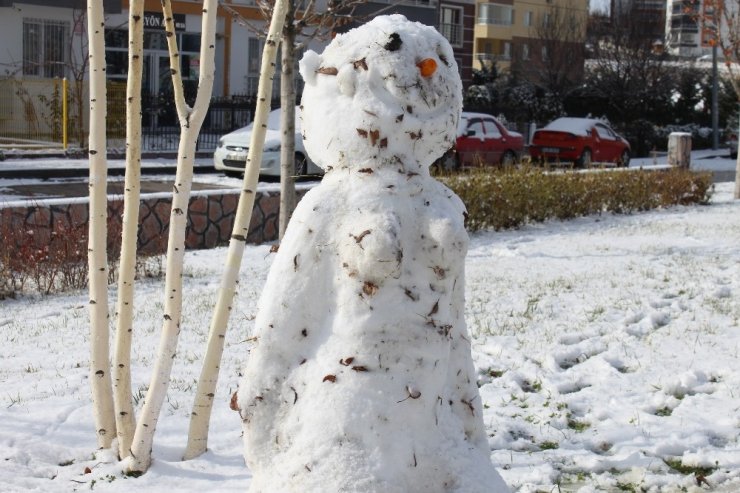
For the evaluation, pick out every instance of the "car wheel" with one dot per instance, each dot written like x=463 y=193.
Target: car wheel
x=624 y=161
x=585 y=160
x=301 y=164
x=508 y=159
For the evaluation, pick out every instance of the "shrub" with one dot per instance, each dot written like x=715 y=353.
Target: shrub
x=509 y=197
x=58 y=263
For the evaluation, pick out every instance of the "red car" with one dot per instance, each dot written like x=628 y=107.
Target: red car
x=483 y=140
x=582 y=141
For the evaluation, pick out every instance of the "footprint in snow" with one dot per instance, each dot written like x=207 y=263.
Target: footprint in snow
x=722 y=292
x=648 y=324
x=572 y=387
x=578 y=353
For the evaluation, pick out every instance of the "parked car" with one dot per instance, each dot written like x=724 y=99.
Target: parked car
x=483 y=140
x=231 y=153
x=582 y=141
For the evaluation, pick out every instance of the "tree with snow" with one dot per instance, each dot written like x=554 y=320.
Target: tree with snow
x=362 y=375
x=100 y=377
x=206 y=389
x=190 y=119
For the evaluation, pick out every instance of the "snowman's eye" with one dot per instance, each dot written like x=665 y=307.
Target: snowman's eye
x=443 y=59
x=394 y=42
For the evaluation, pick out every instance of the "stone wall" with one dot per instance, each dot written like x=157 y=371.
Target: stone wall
x=210 y=219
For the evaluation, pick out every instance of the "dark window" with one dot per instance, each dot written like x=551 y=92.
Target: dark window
x=45 y=43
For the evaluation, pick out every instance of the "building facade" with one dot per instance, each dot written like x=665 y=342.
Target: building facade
x=45 y=41
x=520 y=33
x=686 y=34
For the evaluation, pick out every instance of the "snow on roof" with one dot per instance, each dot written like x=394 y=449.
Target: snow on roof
x=576 y=126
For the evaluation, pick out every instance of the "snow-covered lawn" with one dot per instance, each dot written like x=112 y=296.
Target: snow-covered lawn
x=607 y=347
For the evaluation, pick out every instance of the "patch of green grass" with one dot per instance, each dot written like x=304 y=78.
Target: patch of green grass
x=632 y=488
x=677 y=465
x=549 y=445
x=578 y=426
x=664 y=411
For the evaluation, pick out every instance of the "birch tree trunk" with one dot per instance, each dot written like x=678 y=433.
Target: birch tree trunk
x=737 y=167
x=287 y=121
x=100 y=379
x=191 y=120
x=124 y=409
x=201 y=414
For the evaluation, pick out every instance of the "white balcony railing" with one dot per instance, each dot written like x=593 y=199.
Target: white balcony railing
x=492 y=13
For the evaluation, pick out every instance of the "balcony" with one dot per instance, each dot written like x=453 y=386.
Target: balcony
x=495 y=14
x=494 y=57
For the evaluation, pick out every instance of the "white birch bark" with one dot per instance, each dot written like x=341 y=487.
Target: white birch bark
x=287 y=122
x=200 y=416
x=100 y=379
x=191 y=120
x=124 y=409
x=737 y=170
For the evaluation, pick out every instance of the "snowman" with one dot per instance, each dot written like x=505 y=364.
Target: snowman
x=361 y=377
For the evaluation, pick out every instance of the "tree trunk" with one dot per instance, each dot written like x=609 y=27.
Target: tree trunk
x=100 y=379
x=190 y=123
x=201 y=414
x=125 y=422
x=287 y=121
x=737 y=169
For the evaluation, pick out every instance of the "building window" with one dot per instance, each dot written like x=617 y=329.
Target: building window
x=528 y=18
x=544 y=54
x=45 y=44
x=492 y=13
x=525 y=52
x=450 y=24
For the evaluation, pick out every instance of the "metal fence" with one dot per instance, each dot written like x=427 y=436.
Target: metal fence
x=31 y=115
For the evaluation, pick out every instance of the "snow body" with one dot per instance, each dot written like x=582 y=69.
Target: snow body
x=361 y=379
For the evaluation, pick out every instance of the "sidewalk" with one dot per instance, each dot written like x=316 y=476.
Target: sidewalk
x=59 y=166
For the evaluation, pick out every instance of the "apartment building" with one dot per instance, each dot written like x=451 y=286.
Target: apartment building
x=522 y=34
x=686 y=35
x=46 y=38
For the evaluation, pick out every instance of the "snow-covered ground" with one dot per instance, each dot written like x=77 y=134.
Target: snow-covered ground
x=607 y=349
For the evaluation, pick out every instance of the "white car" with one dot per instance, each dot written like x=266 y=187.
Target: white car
x=231 y=153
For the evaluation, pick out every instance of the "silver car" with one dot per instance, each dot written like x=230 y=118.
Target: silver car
x=231 y=153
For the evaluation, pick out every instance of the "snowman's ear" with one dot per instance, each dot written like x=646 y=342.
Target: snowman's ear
x=347 y=79
x=308 y=66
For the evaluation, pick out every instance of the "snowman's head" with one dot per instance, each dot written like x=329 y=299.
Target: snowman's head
x=385 y=93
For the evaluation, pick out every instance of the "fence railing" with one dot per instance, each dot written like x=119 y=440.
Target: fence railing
x=31 y=115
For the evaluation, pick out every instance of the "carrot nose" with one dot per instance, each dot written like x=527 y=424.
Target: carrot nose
x=427 y=67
